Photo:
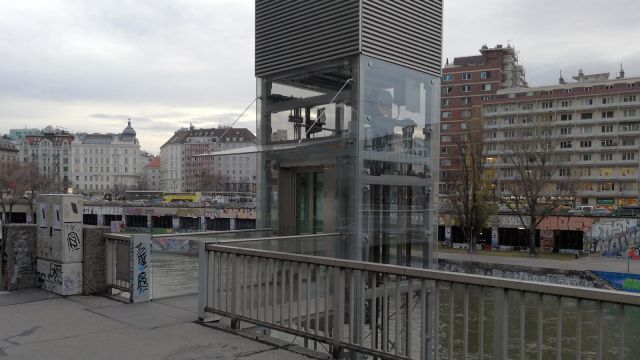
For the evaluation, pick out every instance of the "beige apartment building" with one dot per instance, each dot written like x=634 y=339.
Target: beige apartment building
x=595 y=124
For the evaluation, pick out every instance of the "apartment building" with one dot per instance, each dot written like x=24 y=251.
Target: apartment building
x=595 y=124
x=8 y=150
x=182 y=170
x=151 y=177
x=50 y=150
x=107 y=163
x=466 y=82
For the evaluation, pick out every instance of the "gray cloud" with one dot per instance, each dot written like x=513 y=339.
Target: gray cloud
x=89 y=66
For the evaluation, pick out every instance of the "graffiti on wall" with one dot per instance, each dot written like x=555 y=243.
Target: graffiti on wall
x=613 y=237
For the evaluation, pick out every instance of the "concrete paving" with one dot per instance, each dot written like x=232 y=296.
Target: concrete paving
x=38 y=325
x=592 y=263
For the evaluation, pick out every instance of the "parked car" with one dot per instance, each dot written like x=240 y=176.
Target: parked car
x=601 y=212
x=626 y=211
x=581 y=210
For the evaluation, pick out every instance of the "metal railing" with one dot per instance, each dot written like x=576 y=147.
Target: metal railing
x=118 y=262
x=128 y=265
x=399 y=312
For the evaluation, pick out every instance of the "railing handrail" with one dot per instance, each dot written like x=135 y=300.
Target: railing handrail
x=203 y=233
x=609 y=296
x=293 y=237
x=113 y=236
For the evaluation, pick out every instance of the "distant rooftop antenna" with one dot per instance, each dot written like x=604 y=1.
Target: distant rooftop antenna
x=621 y=72
x=561 y=80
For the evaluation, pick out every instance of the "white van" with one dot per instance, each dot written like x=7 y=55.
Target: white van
x=582 y=210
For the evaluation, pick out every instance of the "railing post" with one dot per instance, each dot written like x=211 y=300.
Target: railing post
x=140 y=269
x=338 y=309
x=235 y=290
x=203 y=280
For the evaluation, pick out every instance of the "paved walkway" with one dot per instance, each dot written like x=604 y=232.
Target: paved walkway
x=40 y=325
x=593 y=263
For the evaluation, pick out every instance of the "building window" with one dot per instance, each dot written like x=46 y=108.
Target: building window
x=564 y=172
x=485 y=74
x=486 y=87
x=446 y=114
x=566 y=104
x=607 y=143
x=630 y=127
x=445 y=162
x=606 y=157
x=586 y=157
x=466 y=88
x=629 y=98
x=445 y=126
x=585 y=143
x=491 y=135
x=607 y=100
x=446 y=102
x=466 y=100
x=565 y=131
x=547 y=104
x=447 y=77
x=466 y=76
x=565 y=144
x=587 y=101
x=628 y=141
x=445 y=138
x=586 y=116
x=628 y=156
x=465 y=113
x=509 y=134
x=607 y=128
x=566 y=117
x=507 y=172
x=607 y=114
x=447 y=90
x=629 y=113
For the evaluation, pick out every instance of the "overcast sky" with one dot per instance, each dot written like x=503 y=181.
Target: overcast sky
x=89 y=65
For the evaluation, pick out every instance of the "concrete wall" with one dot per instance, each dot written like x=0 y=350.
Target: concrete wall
x=19 y=258
x=93 y=272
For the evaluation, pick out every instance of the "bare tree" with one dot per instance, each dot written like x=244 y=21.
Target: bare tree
x=38 y=184
x=469 y=189
x=13 y=184
x=531 y=166
x=212 y=182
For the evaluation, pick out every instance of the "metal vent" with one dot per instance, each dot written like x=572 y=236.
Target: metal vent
x=407 y=33
x=295 y=33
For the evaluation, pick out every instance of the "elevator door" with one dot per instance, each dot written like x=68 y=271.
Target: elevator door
x=310 y=202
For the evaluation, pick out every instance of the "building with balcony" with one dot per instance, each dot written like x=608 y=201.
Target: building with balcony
x=8 y=150
x=181 y=168
x=107 y=163
x=595 y=125
x=50 y=150
x=466 y=82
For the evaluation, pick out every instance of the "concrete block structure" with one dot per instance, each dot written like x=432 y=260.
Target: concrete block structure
x=93 y=253
x=19 y=271
x=60 y=243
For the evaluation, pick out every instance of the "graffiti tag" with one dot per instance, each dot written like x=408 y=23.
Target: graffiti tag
x=141 y=254
x=55 y=273
x=73 y=241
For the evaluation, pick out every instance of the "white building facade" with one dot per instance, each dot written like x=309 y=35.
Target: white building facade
x=107 y=163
